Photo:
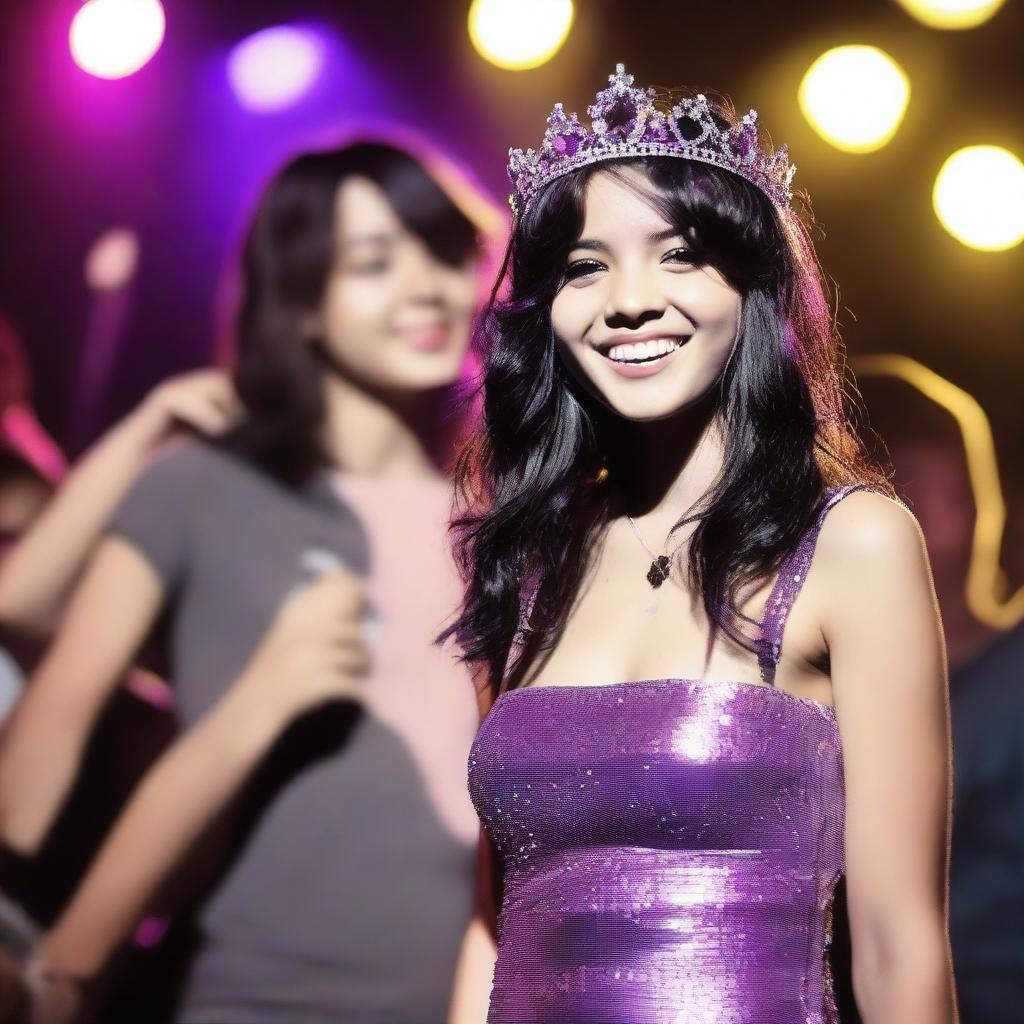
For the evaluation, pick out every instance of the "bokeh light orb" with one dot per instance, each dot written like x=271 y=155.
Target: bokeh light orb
x=112 y=260
x=276 y=67
x=855 y=97
x=951 y=13
x=979 y=197
x=114 y=38
x=519 y=34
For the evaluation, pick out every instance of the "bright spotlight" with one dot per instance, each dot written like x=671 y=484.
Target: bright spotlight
x=114 y=38
x=112 y=260
x=275 y=67
x=979 y=197
x=519 y=34
x=855 y=97
x=951 y=13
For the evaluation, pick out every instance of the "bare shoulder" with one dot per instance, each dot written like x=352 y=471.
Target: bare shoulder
x=874 y=566
x=868 y=526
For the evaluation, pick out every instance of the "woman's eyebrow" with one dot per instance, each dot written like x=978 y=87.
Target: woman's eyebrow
x=591 y=243
x=664 y=236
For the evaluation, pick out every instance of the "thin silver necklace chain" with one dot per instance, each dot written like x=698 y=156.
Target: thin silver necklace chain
x=639 y=537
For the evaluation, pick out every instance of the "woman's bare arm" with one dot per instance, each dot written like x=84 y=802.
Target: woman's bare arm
x=313 y=653
x=474 y=972
x=888 y=667
x=39 y=573
x=110 y=614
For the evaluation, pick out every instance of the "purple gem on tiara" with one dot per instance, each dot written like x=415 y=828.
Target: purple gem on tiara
x=620 y=116
x=743 y=140
x=567 y=145
x=743 y=145
x=656 y=131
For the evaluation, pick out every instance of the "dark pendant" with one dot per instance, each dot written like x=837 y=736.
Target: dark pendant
x=658 y=572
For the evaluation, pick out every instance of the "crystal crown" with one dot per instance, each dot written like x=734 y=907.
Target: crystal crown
x=626 y=122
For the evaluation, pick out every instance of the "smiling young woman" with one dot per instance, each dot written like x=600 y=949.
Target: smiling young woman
x=666 y=464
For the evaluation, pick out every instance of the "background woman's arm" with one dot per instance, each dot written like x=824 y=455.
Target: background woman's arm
x=313 y=653
x=888 y=670
x=38 y=574
x=111 y=612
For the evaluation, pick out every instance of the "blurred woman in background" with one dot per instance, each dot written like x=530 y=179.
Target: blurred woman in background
x=299 y=571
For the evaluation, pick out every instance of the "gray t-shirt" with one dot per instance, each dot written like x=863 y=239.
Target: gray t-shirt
x=345 y=896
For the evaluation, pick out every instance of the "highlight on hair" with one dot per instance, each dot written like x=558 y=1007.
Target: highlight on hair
x=286 y=262
x=528 y=512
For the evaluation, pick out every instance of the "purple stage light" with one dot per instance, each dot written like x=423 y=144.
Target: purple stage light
x=114 y=38
x=275 y=67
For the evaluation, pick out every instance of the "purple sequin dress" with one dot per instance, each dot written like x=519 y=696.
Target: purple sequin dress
x=670 y=846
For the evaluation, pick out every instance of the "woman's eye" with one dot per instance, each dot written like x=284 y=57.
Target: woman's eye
x=580 y=269
x=683 y=256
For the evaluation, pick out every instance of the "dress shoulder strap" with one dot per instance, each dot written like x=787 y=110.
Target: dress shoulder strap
x=787 y=586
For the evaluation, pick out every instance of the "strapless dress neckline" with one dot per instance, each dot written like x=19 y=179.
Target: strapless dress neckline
x=827 y=711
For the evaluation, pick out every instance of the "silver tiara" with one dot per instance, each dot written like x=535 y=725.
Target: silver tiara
x=625 y=123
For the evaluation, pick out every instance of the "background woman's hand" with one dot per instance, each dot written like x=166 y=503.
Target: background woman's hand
x=30 y=994
x=14 y=992
x=54 y=1002
x=203 y=401
x=315 y=650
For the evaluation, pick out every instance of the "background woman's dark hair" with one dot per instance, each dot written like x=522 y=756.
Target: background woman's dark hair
x=530 y=509
x=286 y=262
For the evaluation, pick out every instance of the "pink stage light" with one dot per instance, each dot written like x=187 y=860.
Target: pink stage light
x=114 y=38
x=275 y=67
x=112 y=260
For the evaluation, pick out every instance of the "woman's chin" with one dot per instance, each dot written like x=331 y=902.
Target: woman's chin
x=654 y=406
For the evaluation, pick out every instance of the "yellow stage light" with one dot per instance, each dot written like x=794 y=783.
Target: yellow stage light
x=519 y=34
x=979 y=197
x=951 y=13
x=855 y=97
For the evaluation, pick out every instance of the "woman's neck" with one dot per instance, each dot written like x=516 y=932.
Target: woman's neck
x=663 y=469
x=385 y=435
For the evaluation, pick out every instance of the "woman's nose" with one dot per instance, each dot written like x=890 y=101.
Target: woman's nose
x=633 y=300
x=424 y=276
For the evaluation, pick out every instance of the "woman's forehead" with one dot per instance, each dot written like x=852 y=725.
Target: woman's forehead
x=619 y=203
x=362 y=208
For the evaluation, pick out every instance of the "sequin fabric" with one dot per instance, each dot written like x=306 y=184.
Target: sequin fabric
x=670 y=847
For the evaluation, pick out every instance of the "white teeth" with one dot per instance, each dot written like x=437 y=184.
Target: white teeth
x=642 y=350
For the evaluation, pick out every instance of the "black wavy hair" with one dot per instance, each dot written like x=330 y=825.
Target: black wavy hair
x=286 y=262
x=528 y=508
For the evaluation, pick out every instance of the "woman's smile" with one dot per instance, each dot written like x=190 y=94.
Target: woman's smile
x=642 y=358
